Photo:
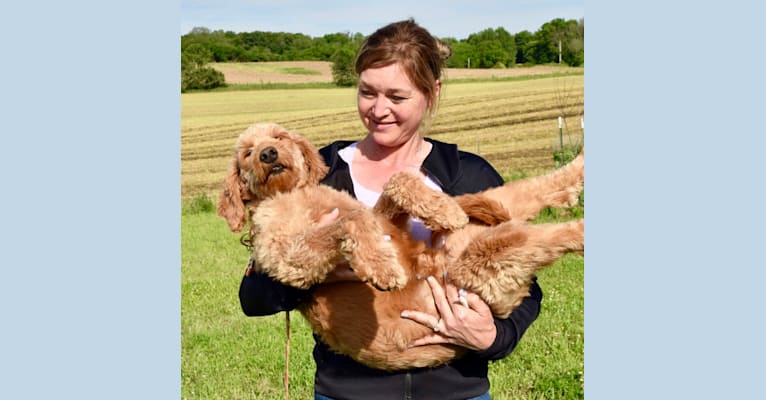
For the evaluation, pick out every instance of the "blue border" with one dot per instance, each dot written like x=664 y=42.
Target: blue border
x=675 y=143
x=90 y=161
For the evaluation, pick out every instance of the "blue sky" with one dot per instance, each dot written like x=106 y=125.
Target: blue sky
x=456 y=19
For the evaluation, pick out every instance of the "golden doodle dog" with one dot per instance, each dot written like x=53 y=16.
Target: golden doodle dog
x=273 y=185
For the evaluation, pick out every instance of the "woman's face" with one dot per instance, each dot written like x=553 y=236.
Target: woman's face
x=390 y=106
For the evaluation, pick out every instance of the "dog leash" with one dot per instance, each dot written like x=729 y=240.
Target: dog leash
x=247 y=241
x=287 y=355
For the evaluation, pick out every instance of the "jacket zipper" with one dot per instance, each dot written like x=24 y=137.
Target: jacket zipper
x=408 y=386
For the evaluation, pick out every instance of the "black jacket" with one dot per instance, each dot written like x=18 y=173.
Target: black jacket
x=339 y=376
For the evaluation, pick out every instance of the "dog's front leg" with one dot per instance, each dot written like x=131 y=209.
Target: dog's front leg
x=299 y=259
x=371 y=254
x=305 y=259
x=407 y=194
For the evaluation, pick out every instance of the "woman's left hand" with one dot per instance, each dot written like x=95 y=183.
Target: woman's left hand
x=466 y=320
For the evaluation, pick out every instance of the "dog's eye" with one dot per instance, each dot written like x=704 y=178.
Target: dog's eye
x=248 y=152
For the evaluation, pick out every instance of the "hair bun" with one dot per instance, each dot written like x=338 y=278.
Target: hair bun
x=444 y=51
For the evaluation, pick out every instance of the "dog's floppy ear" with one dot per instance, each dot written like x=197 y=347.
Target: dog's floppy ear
x=315 y=166
x=231 y=205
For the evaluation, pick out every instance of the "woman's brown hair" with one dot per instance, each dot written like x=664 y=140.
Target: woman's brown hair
x=405 y=42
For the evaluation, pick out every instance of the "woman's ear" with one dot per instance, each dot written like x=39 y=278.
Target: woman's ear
x=230 y=205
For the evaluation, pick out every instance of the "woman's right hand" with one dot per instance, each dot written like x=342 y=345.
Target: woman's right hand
x=328 y=218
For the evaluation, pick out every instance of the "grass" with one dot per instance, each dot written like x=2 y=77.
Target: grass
x=226 y=355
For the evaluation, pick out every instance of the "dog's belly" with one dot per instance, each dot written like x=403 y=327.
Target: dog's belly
x=364 y=323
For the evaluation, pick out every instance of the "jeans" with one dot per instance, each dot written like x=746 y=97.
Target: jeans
x=485 y=396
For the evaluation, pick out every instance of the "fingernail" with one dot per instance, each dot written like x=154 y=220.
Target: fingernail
x=431 y=279
x=404 y=314
x=461 y=292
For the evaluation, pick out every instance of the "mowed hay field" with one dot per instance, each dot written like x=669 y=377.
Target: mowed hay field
x=513 y=124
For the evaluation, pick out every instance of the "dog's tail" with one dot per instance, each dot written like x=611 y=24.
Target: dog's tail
x=524 y=199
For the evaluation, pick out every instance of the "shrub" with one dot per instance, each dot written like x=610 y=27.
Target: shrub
x=343 y=73
x=202 y=78
x=565 y=154
x=199 y=204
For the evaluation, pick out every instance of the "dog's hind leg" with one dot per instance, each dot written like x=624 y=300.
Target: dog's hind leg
x=499 y=264
x=407 y=194
x=525 y=198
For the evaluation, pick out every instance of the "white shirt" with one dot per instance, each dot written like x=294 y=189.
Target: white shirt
x=369 y=197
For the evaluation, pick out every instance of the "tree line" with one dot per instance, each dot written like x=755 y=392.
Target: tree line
x=556 y=41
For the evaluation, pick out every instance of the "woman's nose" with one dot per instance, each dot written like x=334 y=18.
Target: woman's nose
x=381 y=107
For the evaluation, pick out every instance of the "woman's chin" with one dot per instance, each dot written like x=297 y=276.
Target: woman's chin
x=385 y=138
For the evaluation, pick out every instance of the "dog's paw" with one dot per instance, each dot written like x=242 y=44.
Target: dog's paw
x=389 y=278
x=448 y=217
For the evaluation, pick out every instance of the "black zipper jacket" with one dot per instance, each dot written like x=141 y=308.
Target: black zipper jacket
x=340 y=377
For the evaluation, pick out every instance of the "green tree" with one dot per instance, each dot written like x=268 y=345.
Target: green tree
x=493 y=47
x=489 y=53
x=523 y=42
x=461 y=52
x=560 y=39
x=343 y=73
x=574 y=50
x=509 y=45
x=195 y=56
x=485 y=49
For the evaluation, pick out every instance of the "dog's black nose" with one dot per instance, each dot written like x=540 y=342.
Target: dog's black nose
x=268 y=155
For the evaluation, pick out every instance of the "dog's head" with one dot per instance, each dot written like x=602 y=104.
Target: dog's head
x=268 y=159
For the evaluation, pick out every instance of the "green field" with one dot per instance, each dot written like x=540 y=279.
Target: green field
x=226 y=355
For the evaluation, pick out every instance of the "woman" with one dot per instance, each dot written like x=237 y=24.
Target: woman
x=399 y=69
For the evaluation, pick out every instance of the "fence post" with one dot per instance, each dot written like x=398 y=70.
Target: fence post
x=561 y=134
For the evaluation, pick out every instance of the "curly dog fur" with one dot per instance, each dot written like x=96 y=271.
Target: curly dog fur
x=272 y=183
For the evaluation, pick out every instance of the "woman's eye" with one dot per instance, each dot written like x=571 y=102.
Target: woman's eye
x=398 y=99
x=366 y=93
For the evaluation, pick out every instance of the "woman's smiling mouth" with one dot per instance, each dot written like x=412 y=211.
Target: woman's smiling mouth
x=382 y=124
